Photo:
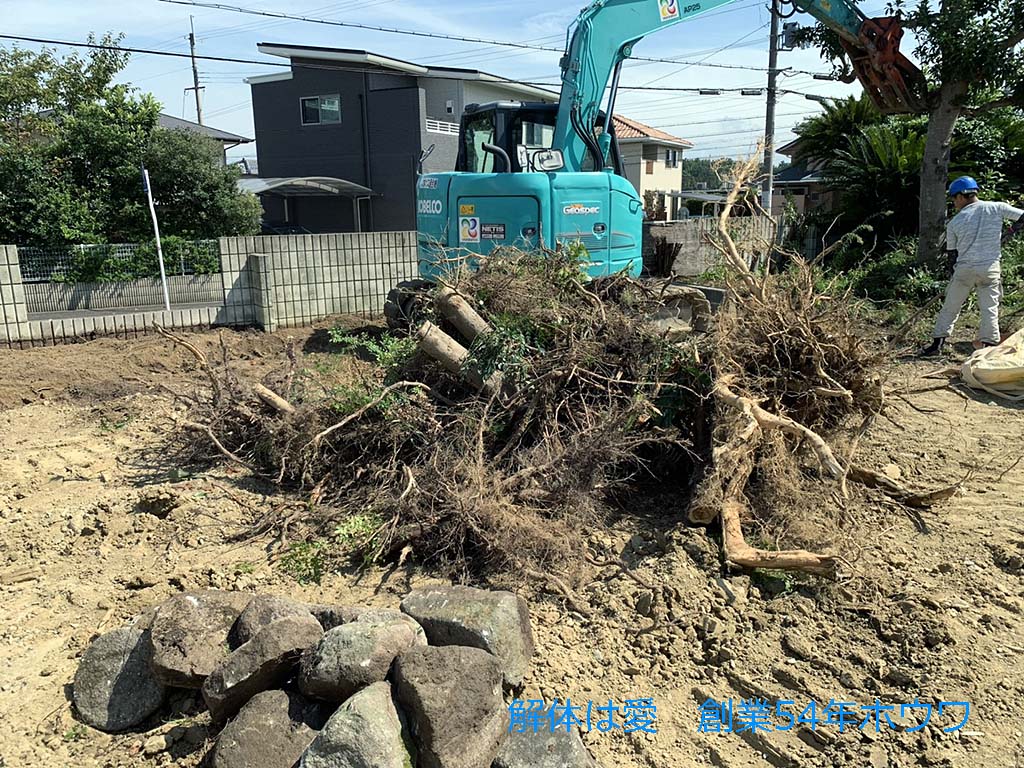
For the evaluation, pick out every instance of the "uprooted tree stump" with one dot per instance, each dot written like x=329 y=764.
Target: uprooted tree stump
x=526 y=404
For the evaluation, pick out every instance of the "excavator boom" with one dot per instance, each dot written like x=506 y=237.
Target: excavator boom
x=533 y=175
x=605 y=32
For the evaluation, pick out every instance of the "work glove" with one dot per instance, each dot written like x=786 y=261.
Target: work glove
x=951 y=257
x=1013 y=231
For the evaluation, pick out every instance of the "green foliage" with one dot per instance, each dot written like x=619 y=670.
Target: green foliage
x=76 y=732
x=877 y=174
x=505 y=349
x=346 y=400
x=196 y=195
x=111 y=263
x=824 y=134
x=702 y=170
x=896 y=276
x=306 y=561
x=390 y=352
x=71 y=146
x=357 y=535
x=654 y=206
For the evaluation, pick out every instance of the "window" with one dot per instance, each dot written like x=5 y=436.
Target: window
x=538 y=135
x=449 y=107
x=319 y=110
x=671 y=158
x=479 y=131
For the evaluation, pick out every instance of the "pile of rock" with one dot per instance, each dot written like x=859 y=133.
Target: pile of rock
x=331 y=686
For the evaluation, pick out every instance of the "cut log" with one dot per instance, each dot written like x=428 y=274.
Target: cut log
x=461 y=314
x=453 y=356
x=273 y=399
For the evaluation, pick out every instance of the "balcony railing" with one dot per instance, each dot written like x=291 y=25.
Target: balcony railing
x=439 y=126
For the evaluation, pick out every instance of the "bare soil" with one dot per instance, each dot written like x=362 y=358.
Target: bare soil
x=933 y=608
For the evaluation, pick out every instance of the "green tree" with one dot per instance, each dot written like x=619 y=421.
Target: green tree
x=877 y=175
x=196 y=194
x=971 y=55
x=72 y=143
x=701 y=170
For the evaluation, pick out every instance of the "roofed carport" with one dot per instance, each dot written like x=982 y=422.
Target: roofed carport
x=287 y=187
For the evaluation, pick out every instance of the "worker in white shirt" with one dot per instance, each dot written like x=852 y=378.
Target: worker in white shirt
x=973 y=238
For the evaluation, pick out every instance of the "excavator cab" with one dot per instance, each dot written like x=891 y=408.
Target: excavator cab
x=510 y=188
x=523 y=130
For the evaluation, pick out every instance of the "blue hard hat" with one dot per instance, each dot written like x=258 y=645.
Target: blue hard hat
x=963 y=184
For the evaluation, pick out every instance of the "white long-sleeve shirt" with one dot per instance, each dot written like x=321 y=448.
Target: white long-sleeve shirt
x=976 y=230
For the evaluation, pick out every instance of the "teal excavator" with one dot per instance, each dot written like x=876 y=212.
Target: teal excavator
x=533 y=174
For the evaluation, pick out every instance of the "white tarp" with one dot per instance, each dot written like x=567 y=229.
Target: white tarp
x=998 y=370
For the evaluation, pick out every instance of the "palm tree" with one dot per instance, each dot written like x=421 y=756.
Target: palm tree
x=877 y=174
x=822 y=135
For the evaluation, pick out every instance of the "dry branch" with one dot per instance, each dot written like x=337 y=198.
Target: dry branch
x=767 y=421
x=738 y=552
x=204 y=364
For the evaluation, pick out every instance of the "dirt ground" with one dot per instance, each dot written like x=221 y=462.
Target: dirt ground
x=932 y=608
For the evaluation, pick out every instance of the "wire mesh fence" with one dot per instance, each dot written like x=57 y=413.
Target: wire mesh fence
x=117 y=262
x=70 y=278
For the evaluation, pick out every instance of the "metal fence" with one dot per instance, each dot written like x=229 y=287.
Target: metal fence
x=73 y=278
x=117 y=262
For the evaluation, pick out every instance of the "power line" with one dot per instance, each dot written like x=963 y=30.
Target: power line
x=332 y=67
x=335 y=68
x=701 y=61
x=434 y=35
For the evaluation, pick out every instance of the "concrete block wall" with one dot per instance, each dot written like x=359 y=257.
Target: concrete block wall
x=697 y=256
x=238 y=281
x=13 y=310
x=299 y=279
x=269 y=281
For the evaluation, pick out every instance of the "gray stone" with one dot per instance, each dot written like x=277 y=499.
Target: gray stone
x=261 y=611
x=497 y=622
x=544 y=749
x=379 y=615
x=114 y=686
x=365 y=732
x=190 y=635
x=331 y=616
x=264 y=662
x=452 y=696
x=352 y=656
x=271 y=731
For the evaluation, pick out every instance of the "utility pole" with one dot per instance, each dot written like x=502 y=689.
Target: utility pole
x=195 y=70
x=769 y=117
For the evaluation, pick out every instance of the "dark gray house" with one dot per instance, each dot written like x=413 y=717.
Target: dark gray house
x=339 y=135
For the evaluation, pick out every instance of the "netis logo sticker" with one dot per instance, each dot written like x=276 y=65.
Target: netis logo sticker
x=579 y=209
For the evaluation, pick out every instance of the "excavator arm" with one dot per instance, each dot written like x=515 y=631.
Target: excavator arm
x=603 y=36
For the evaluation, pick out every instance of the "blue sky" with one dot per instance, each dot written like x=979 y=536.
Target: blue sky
x=718 y=125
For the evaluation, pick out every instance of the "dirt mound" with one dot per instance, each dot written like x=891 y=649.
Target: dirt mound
x=934 y=614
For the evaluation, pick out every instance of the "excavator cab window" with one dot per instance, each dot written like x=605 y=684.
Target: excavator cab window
x=479 y=130
x=529 y=127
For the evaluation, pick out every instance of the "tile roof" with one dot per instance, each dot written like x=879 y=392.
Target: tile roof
x=625 y=128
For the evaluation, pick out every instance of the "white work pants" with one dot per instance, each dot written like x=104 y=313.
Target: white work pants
x=967 y=277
